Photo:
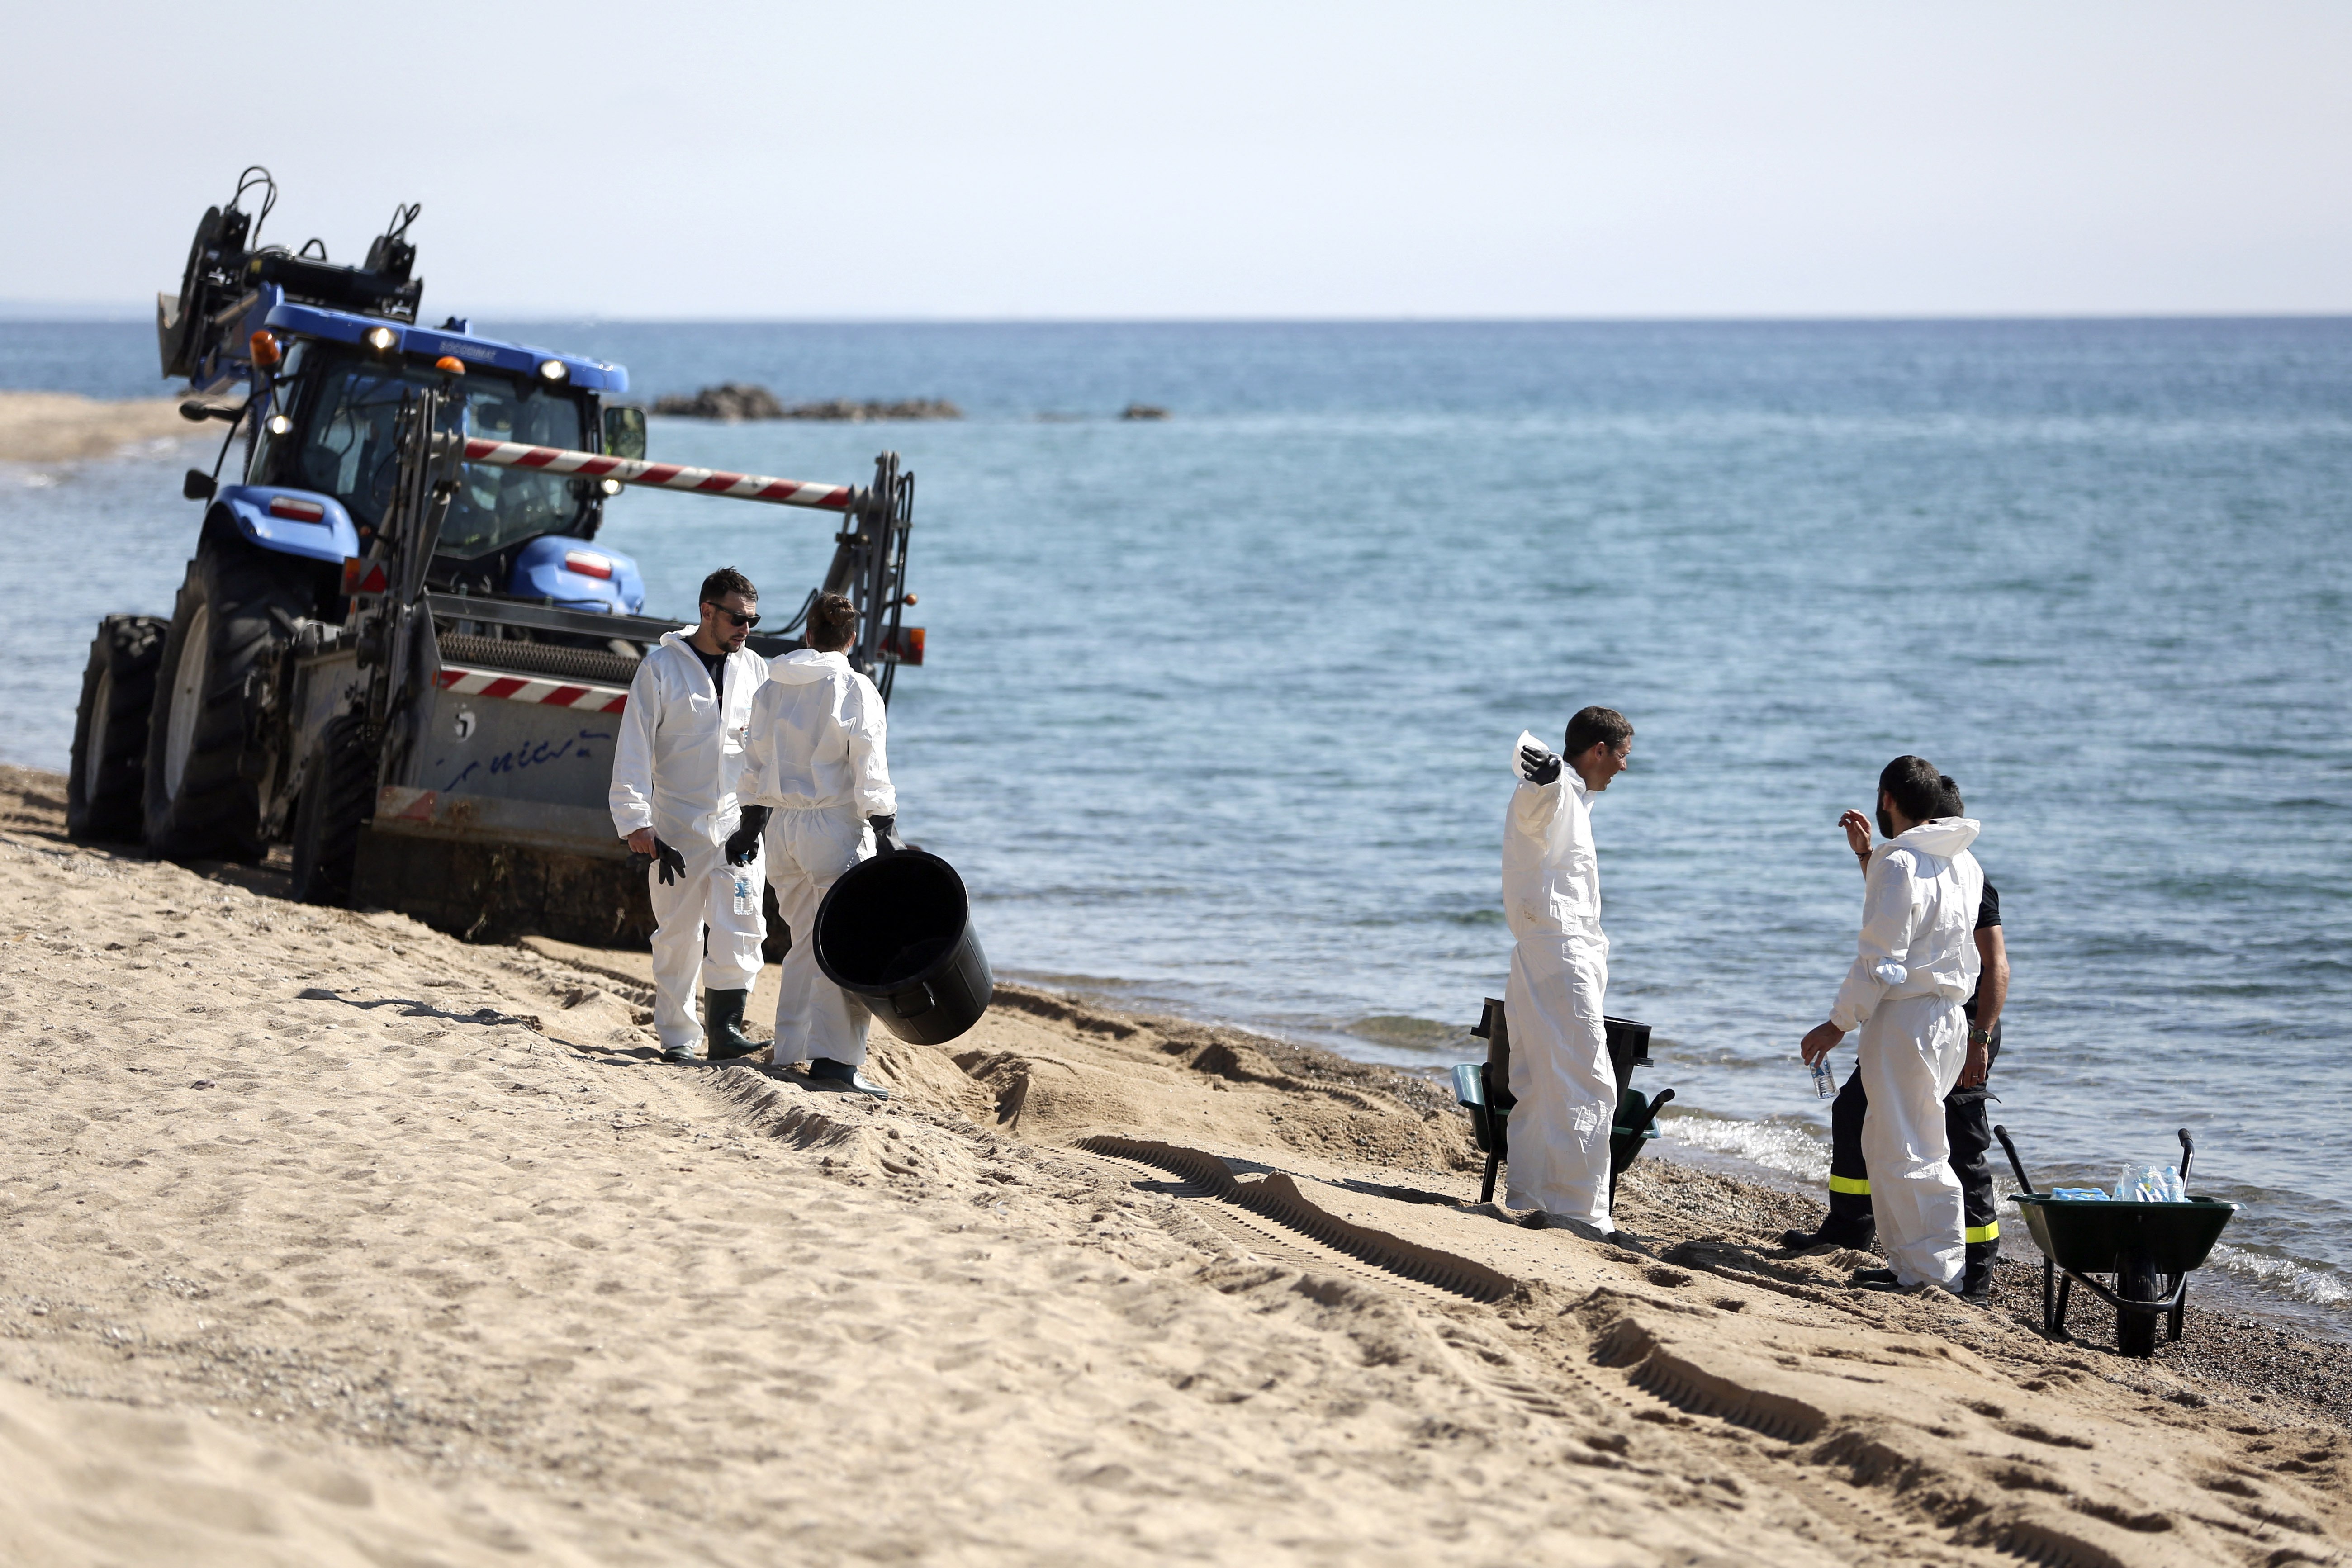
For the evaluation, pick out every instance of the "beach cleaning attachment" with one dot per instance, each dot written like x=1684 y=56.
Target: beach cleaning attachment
x=869 y=563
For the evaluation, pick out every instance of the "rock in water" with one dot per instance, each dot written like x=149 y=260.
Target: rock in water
x=842 y=408
x=1143 y=411
x=733 y=401
x=740 y=400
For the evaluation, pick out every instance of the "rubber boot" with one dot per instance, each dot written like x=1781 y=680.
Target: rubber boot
x=844 y=1073
x=1850 y=1222
x=722 y=1020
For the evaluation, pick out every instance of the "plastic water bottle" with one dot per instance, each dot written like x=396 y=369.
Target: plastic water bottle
x=1825 y=1080
x=2149 y=1184
x=746 y=902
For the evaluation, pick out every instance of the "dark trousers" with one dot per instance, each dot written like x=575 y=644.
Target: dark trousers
x=1968 y=1127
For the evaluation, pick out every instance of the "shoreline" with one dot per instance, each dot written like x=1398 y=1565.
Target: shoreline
x=378 y=1241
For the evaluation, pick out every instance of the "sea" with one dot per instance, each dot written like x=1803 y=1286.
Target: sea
x=1218 y=710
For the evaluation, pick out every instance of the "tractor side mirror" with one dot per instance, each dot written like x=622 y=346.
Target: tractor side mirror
x=198 y=485
x=625 y=432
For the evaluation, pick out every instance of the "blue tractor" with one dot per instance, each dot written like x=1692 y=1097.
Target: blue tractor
x=401 y=662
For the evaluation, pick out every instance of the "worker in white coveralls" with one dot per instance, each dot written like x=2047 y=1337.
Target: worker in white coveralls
x=1560 y=1076
x=1917 y=961
x=818 y=758
x=675 y=771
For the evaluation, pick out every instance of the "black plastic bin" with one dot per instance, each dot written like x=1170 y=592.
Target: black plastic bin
x=895 y=932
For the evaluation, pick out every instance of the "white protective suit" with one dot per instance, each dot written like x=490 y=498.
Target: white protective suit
x=1567 y=1092
x=675 y=769
x=1916 y=962
x=817 y=756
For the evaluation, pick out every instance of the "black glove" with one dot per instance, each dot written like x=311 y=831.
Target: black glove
x=885 y=835
x=743 y=844
x=1537 y=765
x=673 y=864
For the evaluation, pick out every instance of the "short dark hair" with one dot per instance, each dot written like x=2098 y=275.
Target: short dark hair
x=1918 y=791
x=831 y=623
x=1595 y=727
x=726 y=581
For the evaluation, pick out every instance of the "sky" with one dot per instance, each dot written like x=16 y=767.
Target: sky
x=906 y=160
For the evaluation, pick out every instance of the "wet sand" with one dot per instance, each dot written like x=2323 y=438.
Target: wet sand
x=59 y=427
x=331 y=1239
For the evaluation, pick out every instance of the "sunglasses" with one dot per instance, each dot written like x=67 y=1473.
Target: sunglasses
x=745 y=621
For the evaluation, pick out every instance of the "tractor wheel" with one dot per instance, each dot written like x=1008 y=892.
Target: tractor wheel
x=109 y=742
x=337 y=797
x=207 y=755
x=2136 y=1331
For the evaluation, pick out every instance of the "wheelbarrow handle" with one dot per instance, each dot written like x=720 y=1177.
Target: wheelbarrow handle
x=1650 y=1113
x=2188 y=1153
x=2015 y=1163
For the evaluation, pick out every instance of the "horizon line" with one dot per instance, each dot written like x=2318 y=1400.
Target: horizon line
x=21 y=312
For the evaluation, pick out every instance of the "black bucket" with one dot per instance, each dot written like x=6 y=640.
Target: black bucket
x=895 y=932
x=1629 y=1048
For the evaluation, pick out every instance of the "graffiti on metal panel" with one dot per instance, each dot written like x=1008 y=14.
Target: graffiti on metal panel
x=532 y=754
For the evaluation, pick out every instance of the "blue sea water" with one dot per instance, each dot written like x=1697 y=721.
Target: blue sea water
x=1218 y=711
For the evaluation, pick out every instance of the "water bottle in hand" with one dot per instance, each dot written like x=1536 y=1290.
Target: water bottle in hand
x=1825 y=1080
x=746 y=902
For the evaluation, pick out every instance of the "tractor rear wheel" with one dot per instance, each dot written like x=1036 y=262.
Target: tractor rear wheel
x=208 y=754
x=109 y=742
x=337 y=797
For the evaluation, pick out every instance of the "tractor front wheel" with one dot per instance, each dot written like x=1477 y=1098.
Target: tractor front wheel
x=337 y=797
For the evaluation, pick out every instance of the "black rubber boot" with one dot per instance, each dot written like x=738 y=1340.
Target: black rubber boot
x=842 y=1072
x=1849 y=1222
x=722 y=1020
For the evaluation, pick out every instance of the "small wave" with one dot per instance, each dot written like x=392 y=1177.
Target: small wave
x=2317 y=1287
x=1779 y=1146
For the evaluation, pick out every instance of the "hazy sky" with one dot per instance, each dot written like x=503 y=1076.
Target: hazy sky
x=896 y=159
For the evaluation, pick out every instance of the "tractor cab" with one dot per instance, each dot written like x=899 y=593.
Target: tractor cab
x=328 y=355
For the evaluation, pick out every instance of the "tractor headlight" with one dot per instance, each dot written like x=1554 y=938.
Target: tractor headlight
x=553 y=370
x=280 y=425
x=611 y=487
x=382 y=340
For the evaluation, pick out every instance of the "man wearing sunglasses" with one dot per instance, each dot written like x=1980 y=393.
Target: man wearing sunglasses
x=675 y=770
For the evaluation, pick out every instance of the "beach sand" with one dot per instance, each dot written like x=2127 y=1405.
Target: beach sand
x=331 y=1239
x=60 y=428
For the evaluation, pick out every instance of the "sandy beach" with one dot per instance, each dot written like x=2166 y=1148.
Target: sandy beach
x=60 y=428
x=329 y=1240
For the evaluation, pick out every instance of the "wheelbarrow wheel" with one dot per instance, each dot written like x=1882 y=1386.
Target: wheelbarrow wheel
x=2136 y=1331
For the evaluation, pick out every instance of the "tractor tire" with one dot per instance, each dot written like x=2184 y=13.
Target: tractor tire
x=103 y=796
x=207 y=756
x=2136 y=1331
x=338 y=798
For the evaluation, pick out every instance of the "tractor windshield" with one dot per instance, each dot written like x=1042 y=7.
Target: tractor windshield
x=347 y=451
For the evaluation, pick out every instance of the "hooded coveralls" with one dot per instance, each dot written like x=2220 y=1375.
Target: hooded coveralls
x=1915 y=962
x=1967 y=1127
x=1560 y=1075
x=817 y=756
x=675 y=769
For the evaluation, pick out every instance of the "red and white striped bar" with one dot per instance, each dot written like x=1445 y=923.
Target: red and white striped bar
x=463 y=682
x=661 y=476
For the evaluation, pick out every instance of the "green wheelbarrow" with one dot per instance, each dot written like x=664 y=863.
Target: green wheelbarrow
x=1483 y=1089
x=2149 y=1248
